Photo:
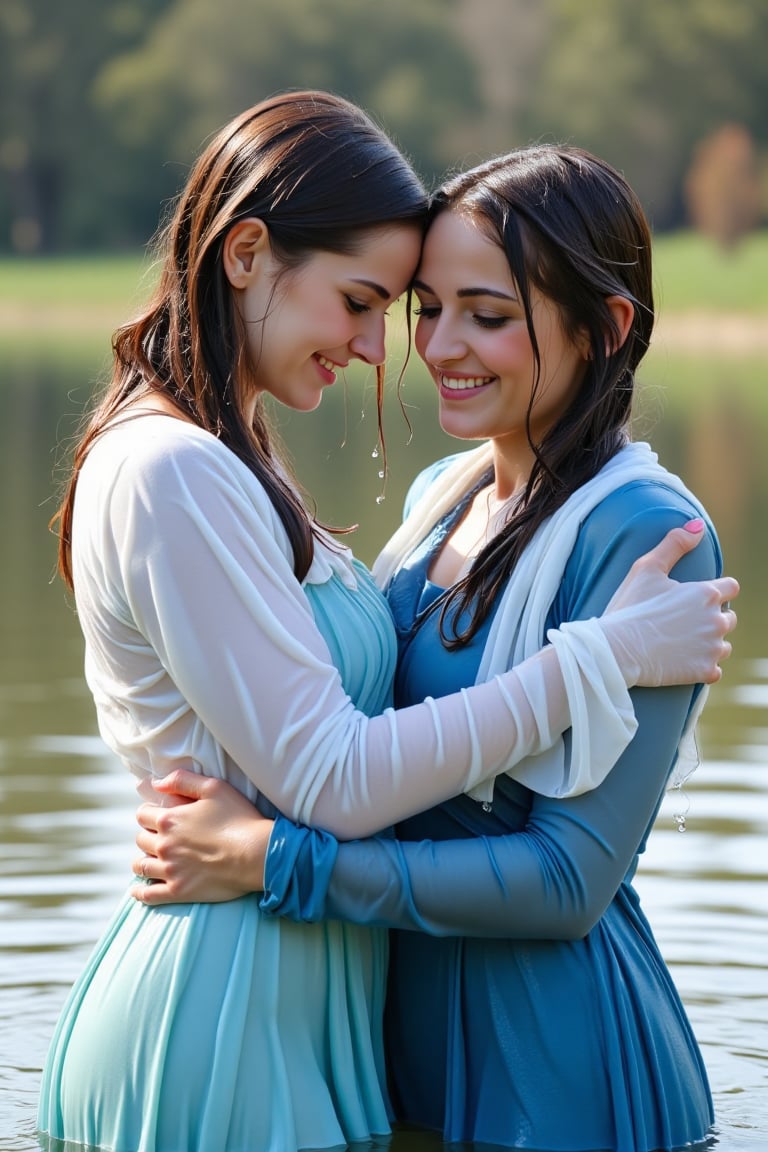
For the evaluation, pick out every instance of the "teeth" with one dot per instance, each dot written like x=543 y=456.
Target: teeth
x=455 y=384
x=329 y=364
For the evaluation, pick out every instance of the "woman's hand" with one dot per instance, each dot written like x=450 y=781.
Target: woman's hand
x=667 y=632
x=209 y=846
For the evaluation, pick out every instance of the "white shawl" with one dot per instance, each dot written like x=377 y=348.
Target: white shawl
x=602 y=714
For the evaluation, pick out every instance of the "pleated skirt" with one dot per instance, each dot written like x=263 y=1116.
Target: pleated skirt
x=212 y=1028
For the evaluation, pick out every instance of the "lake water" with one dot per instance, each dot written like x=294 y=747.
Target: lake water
x=66 y=821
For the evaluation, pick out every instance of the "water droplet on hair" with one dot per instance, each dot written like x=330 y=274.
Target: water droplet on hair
x=380 y=499
x=375 y=454
x=487 y=806
x=679 y=819
x=381 y=474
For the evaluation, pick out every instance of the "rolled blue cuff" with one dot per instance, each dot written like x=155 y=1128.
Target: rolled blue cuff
x=297 y=871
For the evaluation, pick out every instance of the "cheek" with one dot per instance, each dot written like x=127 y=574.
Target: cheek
x=508 y=356
x=421 y=338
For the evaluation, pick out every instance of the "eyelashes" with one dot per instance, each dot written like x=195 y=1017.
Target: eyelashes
x=432 y=311
x=490 y=321
x=356 y=307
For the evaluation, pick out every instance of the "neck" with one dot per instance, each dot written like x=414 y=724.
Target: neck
x=512 y=467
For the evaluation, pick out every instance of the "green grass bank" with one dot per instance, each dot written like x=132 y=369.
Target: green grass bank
x=706 y=297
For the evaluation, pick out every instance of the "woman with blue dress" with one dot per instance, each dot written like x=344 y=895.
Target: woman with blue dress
x=528 y=1004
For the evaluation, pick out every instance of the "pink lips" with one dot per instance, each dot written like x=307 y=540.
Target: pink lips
x=328 y=374
x=469 y=387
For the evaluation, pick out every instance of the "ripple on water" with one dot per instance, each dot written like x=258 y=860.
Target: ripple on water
x=67 y=843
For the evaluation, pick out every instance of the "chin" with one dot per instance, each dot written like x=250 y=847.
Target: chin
x=307 y=403
x=458 y=429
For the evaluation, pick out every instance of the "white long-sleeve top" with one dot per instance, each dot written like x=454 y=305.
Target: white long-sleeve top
x=202 y=649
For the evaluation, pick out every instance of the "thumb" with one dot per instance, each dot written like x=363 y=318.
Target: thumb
x=676 y=544
x=181 y=782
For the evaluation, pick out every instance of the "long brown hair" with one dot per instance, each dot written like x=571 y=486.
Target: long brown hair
x=570 y=226
x=319 y=172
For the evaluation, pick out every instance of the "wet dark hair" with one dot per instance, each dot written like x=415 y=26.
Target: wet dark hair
x=572 y=228
x=320 y=173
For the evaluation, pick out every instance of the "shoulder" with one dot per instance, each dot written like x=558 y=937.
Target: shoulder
x=622 y=527
x=154 y=444
x=637 y=515
x=166 y=455
x=151 y=468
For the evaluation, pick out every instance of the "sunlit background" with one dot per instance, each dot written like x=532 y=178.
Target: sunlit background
x=102 y=108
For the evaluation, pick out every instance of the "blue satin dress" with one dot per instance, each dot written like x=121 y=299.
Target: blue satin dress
x=528 y=1003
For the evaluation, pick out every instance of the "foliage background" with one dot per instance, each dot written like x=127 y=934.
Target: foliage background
x=104 y=105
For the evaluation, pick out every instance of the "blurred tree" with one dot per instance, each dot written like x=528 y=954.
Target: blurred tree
x=104 y=105
x=507 y=40
x=203 y=63
x=49 y=137
x=722 y=189
x=641 y=83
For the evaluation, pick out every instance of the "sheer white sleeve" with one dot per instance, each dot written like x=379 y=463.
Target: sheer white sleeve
x=182 y=565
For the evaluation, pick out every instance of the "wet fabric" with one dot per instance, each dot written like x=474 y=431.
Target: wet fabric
x=550 y=1044
x=216 y=1029
x=210 y=1027
x=528 y=1003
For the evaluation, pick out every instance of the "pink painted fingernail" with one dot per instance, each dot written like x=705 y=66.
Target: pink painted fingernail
x=694 y=525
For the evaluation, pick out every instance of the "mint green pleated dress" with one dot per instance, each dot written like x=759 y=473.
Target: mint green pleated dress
x=213 y=1028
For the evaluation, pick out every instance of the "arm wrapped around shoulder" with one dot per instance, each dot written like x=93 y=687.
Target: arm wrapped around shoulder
x=665 y=632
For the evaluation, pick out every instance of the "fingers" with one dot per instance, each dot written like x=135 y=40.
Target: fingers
x=152 y=864
x=726 y=622
x=148 y=868
x=146 y=842
x=676 y=544
x=148 y=815
x=727 y=587
x=181 y=782
x=153 y=894
x=155 y=883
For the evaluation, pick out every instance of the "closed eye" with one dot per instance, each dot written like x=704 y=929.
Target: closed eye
x=356 y=307
x=490 y=321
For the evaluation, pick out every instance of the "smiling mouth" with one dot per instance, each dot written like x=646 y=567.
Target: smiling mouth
x=464 y=383
x=329 y=365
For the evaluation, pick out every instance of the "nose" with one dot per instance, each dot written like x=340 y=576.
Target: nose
x=437 y=341
x=369 y=343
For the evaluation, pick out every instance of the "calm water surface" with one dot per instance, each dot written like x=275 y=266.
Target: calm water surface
x=66 y=820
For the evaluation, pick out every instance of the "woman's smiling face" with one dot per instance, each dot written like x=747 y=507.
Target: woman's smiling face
x=305 y=324
x=472 y=334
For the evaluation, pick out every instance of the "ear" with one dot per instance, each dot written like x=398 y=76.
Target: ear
x=623 y=312
x=246 y=248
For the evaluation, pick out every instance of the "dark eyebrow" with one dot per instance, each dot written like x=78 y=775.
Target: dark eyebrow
x=377 y=288
x=464 y=292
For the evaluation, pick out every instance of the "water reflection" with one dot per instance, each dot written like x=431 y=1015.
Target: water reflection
x=66 y=826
